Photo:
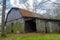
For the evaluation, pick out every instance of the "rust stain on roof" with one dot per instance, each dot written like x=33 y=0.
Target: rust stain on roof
x=26 y=13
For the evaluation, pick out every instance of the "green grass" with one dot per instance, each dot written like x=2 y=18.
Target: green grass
x=32 y=37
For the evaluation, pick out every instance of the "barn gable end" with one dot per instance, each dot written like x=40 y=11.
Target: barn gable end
x=14 y=21
x=14 y=14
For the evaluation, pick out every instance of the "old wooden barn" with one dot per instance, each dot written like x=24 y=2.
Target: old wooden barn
x=22 y=21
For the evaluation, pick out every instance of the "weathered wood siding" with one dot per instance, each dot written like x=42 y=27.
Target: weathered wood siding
x=14 y=14
x=18 y=23
x=53 y=27
x=59 y=27
x=40 y=25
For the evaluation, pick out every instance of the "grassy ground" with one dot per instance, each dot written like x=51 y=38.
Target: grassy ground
x=32 y=36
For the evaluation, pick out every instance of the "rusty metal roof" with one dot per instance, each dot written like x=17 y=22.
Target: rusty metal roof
x=27 y=13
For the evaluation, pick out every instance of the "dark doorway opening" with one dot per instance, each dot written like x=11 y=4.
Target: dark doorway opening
x=12 y=25
x=30 y=26
x=46 y=27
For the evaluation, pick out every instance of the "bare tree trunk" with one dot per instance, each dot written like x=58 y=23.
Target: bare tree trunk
x=34 y=6
x=3 y=18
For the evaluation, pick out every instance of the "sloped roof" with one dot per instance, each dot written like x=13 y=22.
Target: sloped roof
x=26 y=13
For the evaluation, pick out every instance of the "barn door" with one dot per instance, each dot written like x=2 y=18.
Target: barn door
x=30 y=26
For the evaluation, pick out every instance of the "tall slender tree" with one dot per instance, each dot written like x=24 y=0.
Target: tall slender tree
x=3 y=18
x=34 y=5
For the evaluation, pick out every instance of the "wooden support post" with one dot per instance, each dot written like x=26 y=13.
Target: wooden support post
x=45 y=27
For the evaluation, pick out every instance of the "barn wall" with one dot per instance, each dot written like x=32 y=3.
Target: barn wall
x=18 y=23
x=54 y=27
x=14 y=14
x=40 y=25
x=59 y=27
x=47 y=29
